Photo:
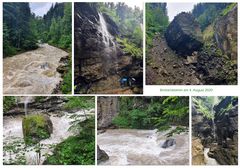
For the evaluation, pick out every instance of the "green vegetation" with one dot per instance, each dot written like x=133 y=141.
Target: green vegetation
x=156 y=21
x=206 y=13
x=66 y=85
x=228 y=9
x=8 y=103
x=79 y=149
x=15 y=147
x=129 y=22
x=17 y=33
x=36 y=128
x=152 y=112
x=83 y=102
x=22 y=29
x=131 y=48
x=205 y=105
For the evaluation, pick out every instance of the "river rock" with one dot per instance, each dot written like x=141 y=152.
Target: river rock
x=36 y=128
x=168 y=143
x=106 y=111
x=184 y=34
x=101 y=155
x=225 y=33
x=197 y=152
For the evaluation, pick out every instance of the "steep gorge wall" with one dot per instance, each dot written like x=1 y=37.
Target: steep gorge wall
x=225 y=33
x=107 y=109
x=226 y=119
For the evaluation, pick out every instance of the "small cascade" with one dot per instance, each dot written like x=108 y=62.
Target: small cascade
x=110 y=49
x=107 y=39
x=215 y=100
x=208 y=160
x=26 y=101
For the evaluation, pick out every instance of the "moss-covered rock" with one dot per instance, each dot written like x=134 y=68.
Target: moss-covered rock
x=35 y=128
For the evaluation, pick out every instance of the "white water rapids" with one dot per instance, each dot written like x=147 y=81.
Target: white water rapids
x=12 y=132
x=32 y=72
x=208 y=160
x=143 y=147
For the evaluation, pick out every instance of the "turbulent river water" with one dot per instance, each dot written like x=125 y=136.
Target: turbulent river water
x=13 y=136
x=32 y=72
x=208 y=160
x=143 y=147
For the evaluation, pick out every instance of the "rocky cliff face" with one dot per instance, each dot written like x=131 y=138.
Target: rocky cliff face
x=197 y=152
x=106 y=111
x=100 y=61
x=225 y=33
x=202 y=128
x=226 y=119
x=184 y=34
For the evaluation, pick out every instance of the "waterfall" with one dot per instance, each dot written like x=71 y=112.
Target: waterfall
x=215 y=99
x=110 y=50
x=103 y=28
x=26 y=101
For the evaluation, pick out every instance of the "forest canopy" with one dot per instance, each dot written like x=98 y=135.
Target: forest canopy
x=152 y=112
x=156 y=20
x=22 y=29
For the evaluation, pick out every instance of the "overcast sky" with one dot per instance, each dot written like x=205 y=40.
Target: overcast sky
x=133 y=3
x=40 y=8
x=176 y=8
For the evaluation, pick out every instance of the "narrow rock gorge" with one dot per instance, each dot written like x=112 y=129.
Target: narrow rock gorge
x=215 y=130
x=104 y=56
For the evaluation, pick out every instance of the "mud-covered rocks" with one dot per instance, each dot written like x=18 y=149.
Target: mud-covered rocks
x=184 y=34
x=197 y=152
x=36 y=128
x=225 y=33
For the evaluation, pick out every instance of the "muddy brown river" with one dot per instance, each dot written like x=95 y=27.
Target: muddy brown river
x=33 y=72
x=143 y=147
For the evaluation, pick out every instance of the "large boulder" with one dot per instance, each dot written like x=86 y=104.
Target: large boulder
x=197 y=152
x=225 y=33
x=184 y=34
x=36 y=128
x=168 y=143
x=101 y=155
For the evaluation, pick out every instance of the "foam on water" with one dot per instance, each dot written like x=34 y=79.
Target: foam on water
x=142 y=147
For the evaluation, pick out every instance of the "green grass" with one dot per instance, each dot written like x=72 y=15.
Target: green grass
x=83 y=102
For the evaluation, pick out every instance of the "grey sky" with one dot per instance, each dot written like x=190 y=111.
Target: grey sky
x=40 y=8
x=176 y=8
